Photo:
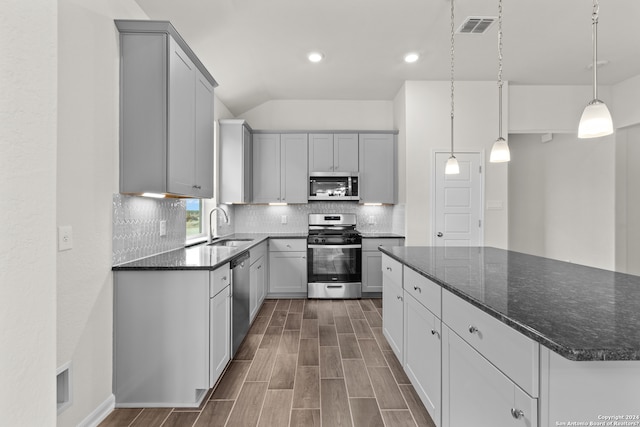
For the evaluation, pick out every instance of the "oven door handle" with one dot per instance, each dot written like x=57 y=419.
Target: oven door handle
x=334 y=246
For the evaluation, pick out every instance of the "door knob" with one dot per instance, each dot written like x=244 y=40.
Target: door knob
x=439 y=234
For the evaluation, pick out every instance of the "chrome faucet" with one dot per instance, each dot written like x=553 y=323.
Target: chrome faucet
x=226 y=221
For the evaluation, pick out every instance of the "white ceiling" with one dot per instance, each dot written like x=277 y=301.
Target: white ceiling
x=256 y=49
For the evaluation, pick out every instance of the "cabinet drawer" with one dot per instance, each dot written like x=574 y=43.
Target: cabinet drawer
x=371 y=244
x=511 y=352
x=219 y=279
x=392 y=269
x=288 y=245
x=424 y=290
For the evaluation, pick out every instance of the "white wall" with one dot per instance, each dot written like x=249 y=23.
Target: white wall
x=428 y=124
x=625 y=110
x=321 y=115
x=27 y=218
x=557 y=109
x=562 y=202
x=628 y=200
x=88 y=79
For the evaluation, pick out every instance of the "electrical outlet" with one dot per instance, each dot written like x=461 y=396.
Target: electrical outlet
x=65 y=237
x=372 y=220
x=163 y=228
x=283 y=219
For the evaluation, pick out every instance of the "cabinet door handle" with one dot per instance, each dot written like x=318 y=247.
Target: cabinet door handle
x=288 y=246
x=224 y=278
x=197 y=187
x=517 y=413
x=260 y=266
x=436 y=333
x=389 y=269
x=416 y=288
x=472 y=329
x=399 y=297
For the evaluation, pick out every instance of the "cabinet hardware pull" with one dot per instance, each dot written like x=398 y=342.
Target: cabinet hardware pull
x=416 y=288
x=434 y=332
x=517 y=413
x=260 y=266
x=197 y=187
x=389 y=269
x=399 y=297
x=224 y=278
x=472 y=329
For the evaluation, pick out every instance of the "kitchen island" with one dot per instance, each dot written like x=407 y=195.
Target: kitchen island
x=516 y=338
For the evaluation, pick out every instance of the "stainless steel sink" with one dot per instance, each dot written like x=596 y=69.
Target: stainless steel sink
x=230 y=242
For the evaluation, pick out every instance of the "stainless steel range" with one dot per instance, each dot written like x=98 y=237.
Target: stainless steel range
x=334 y=257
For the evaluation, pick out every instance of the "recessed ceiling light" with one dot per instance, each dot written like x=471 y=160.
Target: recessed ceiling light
x=315 y=56
x=411 y=57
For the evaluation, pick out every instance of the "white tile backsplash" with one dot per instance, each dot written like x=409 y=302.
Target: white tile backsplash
x=136 y=226
x=264 y=218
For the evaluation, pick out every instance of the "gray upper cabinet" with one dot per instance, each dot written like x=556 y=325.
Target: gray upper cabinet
x=279 y=168
x=235 y=161
x=333 y=152
x=266 y=168
x=294 y=177
x=166 y=113
x=378 y=158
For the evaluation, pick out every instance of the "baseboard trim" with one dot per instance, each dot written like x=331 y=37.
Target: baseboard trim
x=100 y=413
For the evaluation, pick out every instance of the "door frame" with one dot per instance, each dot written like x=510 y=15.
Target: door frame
x=433 y=189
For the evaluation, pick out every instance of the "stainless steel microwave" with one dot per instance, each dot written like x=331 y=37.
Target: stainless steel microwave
x=333 y=186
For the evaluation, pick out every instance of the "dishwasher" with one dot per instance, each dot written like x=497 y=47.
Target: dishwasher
x=240 y=293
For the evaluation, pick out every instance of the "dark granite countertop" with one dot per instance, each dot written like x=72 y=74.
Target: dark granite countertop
x=382 y=236
x=579 y=312
x=201 y=256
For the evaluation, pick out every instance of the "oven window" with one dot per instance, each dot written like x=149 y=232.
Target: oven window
x=333 y=264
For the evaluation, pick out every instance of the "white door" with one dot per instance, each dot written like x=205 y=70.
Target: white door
x=458 y=201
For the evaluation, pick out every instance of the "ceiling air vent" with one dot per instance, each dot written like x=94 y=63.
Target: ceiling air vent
x=476 y=25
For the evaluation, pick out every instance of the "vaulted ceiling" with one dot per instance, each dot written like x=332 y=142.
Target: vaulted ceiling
x=256 y=49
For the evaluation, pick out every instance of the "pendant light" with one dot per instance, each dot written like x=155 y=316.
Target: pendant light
x=500 y=150
x=596 y=119
x=452 y=167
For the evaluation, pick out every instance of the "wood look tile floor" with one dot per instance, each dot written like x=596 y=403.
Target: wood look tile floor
x=303 y=363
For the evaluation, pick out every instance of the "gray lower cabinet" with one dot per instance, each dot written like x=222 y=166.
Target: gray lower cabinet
x=423 y=357
x=378 y=159
x=258 y=279
x=280 y=168
x=166 y=113
x=235 y=161
x=220 y=334
x=372 y=262
x=393 y=306
x=288 y=267
x=172 y=335
x=161 y=338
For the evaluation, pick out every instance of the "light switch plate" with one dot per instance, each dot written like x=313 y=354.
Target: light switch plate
x=283 y=219
x=163 y=228
x=65 y=238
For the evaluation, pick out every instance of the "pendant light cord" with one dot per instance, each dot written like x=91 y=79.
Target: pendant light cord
x=594 y=18
x=500 y=70
x=452 y=87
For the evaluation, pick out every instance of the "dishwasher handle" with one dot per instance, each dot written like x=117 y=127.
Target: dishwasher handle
x=240 y=259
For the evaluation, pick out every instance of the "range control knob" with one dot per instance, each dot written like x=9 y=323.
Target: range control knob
x=315 y=240
x=324 y=240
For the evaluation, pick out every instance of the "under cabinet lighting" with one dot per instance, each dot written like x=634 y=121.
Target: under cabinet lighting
x=373 y=204
x=277 y=204
x=154 y=195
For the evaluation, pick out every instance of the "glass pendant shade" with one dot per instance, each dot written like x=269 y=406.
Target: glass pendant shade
x=452 y=167
x=500 y=151
x=595 y=121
